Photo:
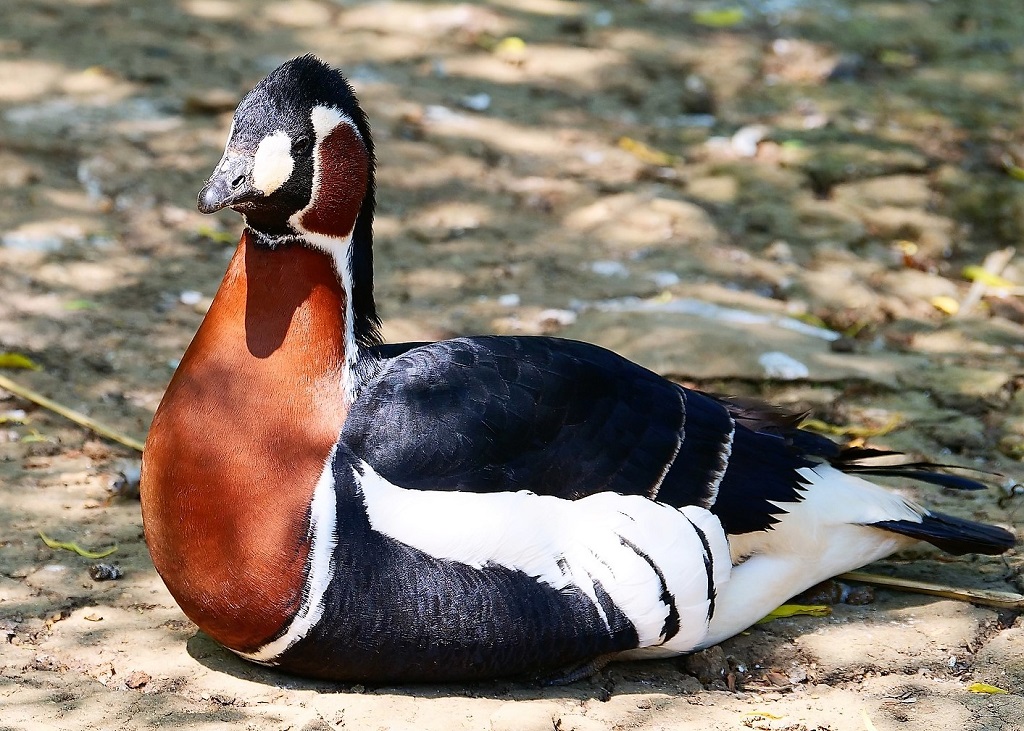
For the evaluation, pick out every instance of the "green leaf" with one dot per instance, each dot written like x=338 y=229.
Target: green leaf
x=17 y=360
x=792 y=610
x=724 y=18
x=74 y=547
x=985 y=688
x=80 y=304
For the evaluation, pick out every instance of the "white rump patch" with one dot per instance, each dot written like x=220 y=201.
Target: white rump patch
x=273 y=163
x=825 y=534
x=323 y=533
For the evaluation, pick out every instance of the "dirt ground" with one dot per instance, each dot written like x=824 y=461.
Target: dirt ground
x=716 y=190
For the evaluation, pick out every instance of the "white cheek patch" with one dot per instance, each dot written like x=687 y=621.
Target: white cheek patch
x=273 y=163
x=325 y=119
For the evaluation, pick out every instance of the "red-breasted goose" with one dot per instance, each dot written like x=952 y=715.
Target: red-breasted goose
x=479 y=507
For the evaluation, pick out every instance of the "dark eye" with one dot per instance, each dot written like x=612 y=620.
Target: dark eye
x=302 y=144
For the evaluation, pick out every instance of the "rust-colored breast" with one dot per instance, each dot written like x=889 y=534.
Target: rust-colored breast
x=239 y=441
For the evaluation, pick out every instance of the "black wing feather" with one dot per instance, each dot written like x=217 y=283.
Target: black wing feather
x=564 y=418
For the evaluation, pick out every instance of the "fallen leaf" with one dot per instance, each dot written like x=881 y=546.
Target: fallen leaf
x=985 y=688
x=975 y=273
x=897 y=59
x=1012 y=169
x=645 y=153
x=510 y=45
x=34 y=437
x=792 y=610
x=80 y=304
x=764 y=714
x=945 y=304
x=93 y=618
x=17 y=360
x=725 y=18
x=74 y=547
x=216 y=235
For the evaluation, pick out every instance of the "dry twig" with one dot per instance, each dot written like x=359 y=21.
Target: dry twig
x=69 y=413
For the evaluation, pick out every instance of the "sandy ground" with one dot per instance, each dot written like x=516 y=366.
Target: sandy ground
x=632 y=174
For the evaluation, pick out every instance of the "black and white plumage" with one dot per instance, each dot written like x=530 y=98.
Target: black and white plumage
x=477 y=507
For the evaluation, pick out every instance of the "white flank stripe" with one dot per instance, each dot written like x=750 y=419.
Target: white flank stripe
x=565 y=544
x=323 y=518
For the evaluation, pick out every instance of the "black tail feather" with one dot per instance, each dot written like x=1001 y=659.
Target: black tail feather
x=944 y=479
x=851 y=460
x=953 y=535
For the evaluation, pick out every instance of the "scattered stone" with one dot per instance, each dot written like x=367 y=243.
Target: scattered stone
x=708 y=666
x=663 y=279
x=125 y=484
x=190 y=297
x=553 y=318
x=783 y=367
x=105 y=572
x=859 y=595
x=609 y=268
x=746 y=139
x=827 y=592
x=843 y=345
x=46 y=663
x=476 y=102
x=137 y=679
x=696 y=96
x=834 y=592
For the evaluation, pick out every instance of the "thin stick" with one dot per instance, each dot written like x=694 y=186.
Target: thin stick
x=994 y=263
x=985 y=597
x=75 y=416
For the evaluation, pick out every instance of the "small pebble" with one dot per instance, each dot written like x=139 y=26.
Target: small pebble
x=509 y=300
x=746 y=139
x=190 y=297
x=137 y=679
x=784 y=367
x=476 y=102
x=609 y=268
x=557 y=317
x=105 y=572
x=125 y=483
x=664 y=279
